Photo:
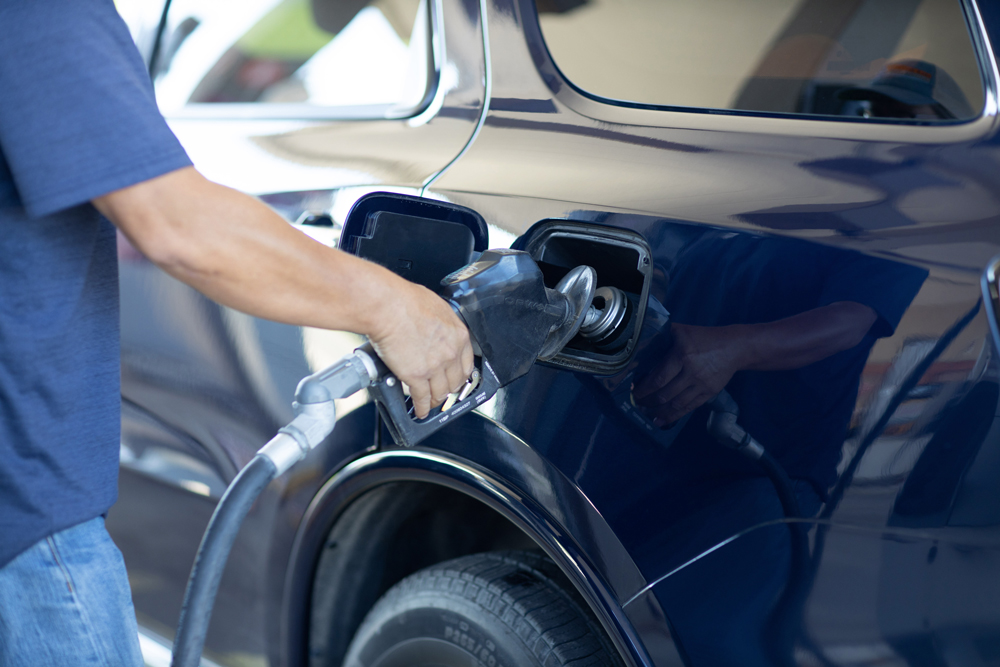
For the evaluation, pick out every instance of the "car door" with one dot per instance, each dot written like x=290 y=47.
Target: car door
x=307 y=105
x=754 y=147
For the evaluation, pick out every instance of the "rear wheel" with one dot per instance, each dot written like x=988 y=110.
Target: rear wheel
x=493 y=609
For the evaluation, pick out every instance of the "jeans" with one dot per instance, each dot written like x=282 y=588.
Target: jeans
x=66 y=601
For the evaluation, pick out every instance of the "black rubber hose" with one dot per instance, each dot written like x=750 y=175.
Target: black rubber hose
x=782 y=484
x=199 y=598
x=783 y=626
x=847 y=476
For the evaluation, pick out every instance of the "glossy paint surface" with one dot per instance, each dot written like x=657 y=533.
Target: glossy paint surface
x=707 y=187
x=204 y=387
x=684 y=546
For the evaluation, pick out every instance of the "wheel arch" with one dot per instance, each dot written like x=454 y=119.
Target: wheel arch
x=386 y=483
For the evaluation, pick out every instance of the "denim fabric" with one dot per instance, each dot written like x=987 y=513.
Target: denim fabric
x=66 y=601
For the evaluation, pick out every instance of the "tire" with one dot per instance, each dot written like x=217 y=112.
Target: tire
x=498 y=609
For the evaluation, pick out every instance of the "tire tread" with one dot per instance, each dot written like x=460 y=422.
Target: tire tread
x=520 y=590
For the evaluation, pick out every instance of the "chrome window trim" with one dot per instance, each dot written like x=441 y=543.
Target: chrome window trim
x=487 y=96
x=306 y=111
x=990 y=284
x=283 y=111
x=624 y=112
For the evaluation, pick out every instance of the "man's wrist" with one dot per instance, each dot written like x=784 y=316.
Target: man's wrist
x=746 y=345
x=372 y=300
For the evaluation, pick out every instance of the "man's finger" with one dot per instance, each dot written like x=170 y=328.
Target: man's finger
x=667 y=414
x=455 y=377
x=440 y=388
x=421 y=399
x=468 y=359
x=685 y=402
x=658 y=378
x=670 y=391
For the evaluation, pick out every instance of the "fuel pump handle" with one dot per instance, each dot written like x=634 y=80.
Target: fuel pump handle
x=397 y=410
x=513 y=320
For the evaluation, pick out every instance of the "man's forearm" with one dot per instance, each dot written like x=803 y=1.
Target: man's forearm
x=237 y=251
x=702 y=360
x=240 y=253
x=803 y=339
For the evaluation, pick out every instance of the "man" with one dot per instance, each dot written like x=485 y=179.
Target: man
x=80 y=136
x=911 y=89
x=786 y=327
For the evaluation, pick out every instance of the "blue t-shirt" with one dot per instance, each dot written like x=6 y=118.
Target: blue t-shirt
x=77 y=120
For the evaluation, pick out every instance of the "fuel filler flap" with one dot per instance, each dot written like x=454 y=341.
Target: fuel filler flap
x=419 y=239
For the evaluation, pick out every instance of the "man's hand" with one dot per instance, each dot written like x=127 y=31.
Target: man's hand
x=698 y=365
x=240 y=253
x=422 y=340
x=702 y=360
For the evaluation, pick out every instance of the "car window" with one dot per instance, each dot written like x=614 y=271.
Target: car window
x=909 y=59
x=324 y=53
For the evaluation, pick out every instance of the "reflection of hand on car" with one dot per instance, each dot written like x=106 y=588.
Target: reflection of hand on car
x=699 y=363
x=702 y=360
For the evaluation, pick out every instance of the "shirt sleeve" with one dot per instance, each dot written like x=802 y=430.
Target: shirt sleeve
x=885 y=286
x=78 y=117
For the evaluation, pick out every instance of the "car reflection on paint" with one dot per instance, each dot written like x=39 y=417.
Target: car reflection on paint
x=822 y=171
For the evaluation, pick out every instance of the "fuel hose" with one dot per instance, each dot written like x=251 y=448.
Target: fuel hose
x=315 y=418
x=782 y=625
x=782 y=485
x=315 y=409
x=199 y=598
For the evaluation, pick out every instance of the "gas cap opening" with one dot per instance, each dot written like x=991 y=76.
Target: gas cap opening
x=609 y=335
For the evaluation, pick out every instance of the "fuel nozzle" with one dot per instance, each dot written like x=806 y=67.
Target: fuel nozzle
x=723 y=426
x=576 y=291
x=513 y=318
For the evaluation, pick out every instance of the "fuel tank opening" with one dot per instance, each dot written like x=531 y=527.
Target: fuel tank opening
x=621 y=259
x=610 y=320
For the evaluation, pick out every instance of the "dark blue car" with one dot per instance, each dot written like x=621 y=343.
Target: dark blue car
x=797 y=201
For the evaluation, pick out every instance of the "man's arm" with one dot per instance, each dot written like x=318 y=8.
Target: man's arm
x=237 y=251
x=702 y=360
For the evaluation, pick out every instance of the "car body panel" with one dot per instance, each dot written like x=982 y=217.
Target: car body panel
x=212 y=384
x=249 y=149
x=488 y=463
x=850 y=187
x=904 y=537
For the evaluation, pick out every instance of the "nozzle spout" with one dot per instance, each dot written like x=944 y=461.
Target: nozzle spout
x=576 y=292
x=722 y=426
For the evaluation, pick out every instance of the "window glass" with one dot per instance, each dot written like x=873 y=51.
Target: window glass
x=319 y=52
x=867 y=58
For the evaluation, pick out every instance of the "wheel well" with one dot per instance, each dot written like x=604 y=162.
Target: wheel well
x=382 y=537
